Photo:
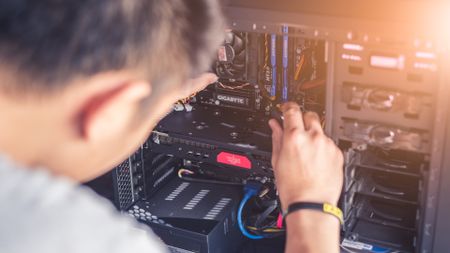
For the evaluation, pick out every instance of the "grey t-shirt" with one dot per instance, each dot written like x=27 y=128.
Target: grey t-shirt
x=41 y=213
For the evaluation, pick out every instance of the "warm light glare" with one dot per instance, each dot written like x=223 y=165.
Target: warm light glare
x=425 y=66
x=425 y=55
x=440 y=23
x=387 y=62
x=351 y=57
x=354 y=47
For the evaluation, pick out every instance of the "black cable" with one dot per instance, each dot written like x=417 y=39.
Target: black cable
x=262 y=217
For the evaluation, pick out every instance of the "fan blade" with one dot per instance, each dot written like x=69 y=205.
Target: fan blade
x=220 y=70
x=239 y=66
x=229 y=38
x=238 y=44
x=239 y=58
x=229 y=72
x=237 y=73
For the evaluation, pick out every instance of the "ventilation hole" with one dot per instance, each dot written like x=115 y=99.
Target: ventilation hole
x=212 y=214
x=195 y=200
x=355 y=70
x=354 y=107
x=177 y=191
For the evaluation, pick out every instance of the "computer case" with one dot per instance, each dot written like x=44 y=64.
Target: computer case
x=376 y=74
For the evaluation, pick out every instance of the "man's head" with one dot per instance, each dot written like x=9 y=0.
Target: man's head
x=83 y=82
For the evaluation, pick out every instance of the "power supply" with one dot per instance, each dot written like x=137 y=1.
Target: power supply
x=192 y=217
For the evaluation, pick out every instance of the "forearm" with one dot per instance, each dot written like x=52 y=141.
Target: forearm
x=310 y=231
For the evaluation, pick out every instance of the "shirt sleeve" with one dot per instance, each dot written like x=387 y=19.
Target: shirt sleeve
x=45 y=214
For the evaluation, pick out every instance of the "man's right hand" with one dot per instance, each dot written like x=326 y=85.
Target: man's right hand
x=307 y=164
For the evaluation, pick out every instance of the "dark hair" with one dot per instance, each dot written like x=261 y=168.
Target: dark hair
x=54 y=41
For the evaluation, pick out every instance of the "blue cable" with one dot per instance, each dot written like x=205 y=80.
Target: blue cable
x=244 y=231
x=377 y=249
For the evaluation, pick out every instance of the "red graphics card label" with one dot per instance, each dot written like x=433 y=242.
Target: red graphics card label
x=234 y=160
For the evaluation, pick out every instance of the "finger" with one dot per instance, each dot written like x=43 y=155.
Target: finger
x=277 y=137
x=292 y=117
x=312 y=122
x=199 y=83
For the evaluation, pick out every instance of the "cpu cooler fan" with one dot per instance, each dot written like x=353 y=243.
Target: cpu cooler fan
x=231 y=57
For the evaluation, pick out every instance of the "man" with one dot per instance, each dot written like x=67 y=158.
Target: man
x=83 y=83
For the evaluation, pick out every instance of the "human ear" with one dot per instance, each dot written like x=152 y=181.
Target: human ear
x=109 y=113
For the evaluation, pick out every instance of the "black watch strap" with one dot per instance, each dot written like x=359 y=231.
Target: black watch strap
x=322 y=207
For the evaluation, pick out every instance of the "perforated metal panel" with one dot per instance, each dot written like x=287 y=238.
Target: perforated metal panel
x=124 y=178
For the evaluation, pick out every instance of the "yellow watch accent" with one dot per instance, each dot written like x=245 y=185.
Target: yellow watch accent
x=333 y=210
x=322 y=207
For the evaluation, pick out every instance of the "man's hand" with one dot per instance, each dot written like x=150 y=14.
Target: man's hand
x=197 y=84
x=307 y=164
